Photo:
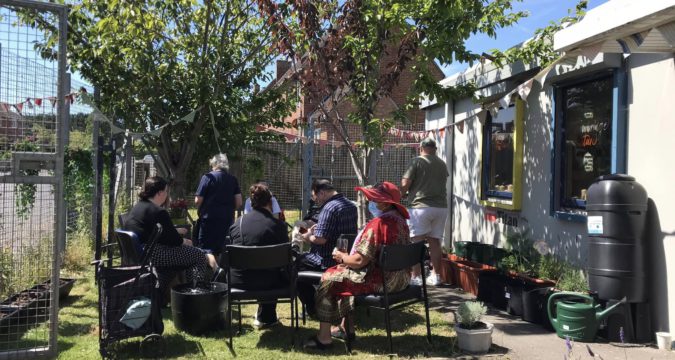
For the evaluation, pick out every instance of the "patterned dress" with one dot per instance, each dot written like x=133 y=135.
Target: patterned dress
x=387 y=229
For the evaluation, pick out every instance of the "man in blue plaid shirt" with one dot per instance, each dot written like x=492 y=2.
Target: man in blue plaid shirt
x=338 y=216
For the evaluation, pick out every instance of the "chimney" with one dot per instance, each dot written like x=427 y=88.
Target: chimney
x=282 y=67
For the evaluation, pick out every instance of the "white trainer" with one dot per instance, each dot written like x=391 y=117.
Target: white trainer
x=416 y=280
x=433 y=280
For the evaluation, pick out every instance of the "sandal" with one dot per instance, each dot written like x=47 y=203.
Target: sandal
x=314 y=343
x=340 y=334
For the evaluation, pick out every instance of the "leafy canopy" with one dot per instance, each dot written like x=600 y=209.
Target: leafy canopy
x=156 y=61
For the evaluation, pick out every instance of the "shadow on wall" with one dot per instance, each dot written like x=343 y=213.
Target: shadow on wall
x=657 y=275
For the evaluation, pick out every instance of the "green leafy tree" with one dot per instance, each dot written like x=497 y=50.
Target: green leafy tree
x=539 y=49
x=339 y=48
x=156 y=61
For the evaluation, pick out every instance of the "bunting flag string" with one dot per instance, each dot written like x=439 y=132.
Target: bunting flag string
x=30 y=103
x=98 y=115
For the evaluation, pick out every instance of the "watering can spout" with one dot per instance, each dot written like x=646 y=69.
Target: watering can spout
x=603 y=314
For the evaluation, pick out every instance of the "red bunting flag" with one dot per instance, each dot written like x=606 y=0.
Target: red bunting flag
x=38 y=102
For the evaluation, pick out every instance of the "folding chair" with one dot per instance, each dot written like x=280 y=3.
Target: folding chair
x=394 y=258
x=261 y=258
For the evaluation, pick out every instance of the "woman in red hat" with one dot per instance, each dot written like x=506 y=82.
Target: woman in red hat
x=358 y=272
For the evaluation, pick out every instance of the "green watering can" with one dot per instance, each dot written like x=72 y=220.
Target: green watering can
x=577 y=320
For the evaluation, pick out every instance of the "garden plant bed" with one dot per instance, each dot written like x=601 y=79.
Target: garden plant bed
x=28 y=304
x=65 y=286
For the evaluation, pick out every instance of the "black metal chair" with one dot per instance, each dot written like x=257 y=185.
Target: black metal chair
x=395 y=258
x=261 y=258
x=314 y=277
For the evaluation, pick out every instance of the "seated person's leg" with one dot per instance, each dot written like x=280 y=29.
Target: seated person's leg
x=267 y=314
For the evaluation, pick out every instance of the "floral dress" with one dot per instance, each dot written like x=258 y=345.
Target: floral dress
x=332 y=300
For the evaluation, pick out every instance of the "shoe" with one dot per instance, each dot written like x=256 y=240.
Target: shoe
x=340 y=334
x=261 y=325
x=433 y=280
x=416 y=281
x=314 y=343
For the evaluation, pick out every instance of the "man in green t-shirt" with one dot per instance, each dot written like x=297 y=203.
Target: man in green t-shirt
x=424 y=180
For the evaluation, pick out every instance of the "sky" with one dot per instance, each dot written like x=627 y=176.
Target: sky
x=542 y=12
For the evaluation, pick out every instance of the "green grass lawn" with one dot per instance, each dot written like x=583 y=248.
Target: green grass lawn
x=78 y=335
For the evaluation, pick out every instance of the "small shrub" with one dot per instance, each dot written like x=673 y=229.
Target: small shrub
x=550 y=268
x=573 y=280
x=469 y=314
x=522 y=256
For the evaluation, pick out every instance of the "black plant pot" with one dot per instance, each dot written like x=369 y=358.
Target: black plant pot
x=534 y=305
x=499 y=299
x=201 y=311
x=514 y=295
x=485 y=285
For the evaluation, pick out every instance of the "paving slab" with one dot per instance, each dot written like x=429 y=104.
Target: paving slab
x=514 y=338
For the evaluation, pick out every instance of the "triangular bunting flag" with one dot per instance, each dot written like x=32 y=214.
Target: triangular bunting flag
x=38 y=102
x=19 y=107
x=52 y=100
x=4 y=107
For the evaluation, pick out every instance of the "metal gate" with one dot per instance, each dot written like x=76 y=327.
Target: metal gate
x=33 y=130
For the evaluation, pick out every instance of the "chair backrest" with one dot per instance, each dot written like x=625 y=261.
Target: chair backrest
x=131 y=249
x=259 y=257
x=122 y=218
x=399 y=257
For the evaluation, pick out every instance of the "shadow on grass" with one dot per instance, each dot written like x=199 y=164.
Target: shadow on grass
x=172 y=346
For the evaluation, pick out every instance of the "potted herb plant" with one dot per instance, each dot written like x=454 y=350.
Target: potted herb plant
x=473 y=335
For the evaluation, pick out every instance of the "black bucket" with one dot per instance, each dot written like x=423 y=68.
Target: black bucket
x=199 y=310
x=534 y=305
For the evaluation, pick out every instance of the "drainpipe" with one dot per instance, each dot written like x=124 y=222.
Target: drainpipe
x=450 y=116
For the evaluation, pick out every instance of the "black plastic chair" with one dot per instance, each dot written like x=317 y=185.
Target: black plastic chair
x=395 y=258
x=261 y=258
x=314 y=277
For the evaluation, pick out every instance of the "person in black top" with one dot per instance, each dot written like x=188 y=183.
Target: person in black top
x=171 y=250
x=259 y=228
x=217 y=197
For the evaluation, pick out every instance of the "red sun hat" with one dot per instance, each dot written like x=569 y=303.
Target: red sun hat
x=384 y=192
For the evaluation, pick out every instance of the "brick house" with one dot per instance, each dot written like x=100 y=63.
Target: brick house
x=304 y=107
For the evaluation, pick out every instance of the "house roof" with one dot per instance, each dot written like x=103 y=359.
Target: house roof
x=646 y=26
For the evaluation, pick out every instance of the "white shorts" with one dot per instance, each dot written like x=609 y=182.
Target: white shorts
x=428 y=221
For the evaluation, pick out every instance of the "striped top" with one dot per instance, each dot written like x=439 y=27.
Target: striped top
x=338 y=216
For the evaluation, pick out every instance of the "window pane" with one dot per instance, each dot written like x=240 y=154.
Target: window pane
x=587 y=136
x=500 y=153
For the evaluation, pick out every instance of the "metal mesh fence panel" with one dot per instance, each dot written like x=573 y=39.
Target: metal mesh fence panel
x=282 y=165
x=32 y=222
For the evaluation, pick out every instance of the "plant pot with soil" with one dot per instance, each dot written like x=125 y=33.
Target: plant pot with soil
x=473 y=335
x=467 y=273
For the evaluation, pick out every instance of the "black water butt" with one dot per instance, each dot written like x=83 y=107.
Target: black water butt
x=617 y=214
x=201 y=309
